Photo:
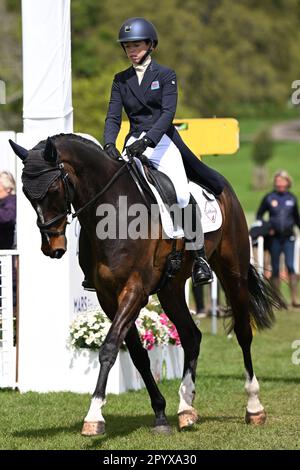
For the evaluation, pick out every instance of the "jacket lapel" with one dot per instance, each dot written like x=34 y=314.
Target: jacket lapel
x=150 y=75
x=133 y=84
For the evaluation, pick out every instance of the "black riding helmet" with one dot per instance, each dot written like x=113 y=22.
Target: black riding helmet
x=138 y=29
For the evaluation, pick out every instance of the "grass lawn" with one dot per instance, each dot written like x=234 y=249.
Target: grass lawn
x=238 y=168
x=53 y=420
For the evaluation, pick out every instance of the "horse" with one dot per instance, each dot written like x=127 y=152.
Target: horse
x=68 y=170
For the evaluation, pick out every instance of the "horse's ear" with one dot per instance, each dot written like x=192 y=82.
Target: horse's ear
x=19 y=151
x=50 y=152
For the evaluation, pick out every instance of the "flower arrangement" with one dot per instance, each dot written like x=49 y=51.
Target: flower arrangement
x=88 y=330
x=156 y=329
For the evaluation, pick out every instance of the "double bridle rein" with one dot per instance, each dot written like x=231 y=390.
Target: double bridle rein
x=68 y=194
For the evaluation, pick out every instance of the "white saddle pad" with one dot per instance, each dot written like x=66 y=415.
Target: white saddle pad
x=210 y=209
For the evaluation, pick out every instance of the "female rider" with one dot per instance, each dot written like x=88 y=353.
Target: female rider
x=148 y=93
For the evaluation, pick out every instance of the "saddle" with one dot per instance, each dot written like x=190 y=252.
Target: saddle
x=144 y=174
x=159 y=180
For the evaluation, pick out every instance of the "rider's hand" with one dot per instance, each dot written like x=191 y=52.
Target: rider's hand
x=138 y=147
x=112 y=151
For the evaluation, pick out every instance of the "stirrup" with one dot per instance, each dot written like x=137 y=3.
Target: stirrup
x=202 y=273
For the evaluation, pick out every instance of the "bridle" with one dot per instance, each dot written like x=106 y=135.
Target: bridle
x=68 y=196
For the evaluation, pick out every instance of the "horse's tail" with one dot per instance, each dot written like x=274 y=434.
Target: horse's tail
x=264 y=299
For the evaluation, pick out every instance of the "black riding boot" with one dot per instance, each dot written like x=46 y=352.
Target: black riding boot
x=202 y=273
x=85 y=254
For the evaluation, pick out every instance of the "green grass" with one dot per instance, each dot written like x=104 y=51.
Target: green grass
x=238 y=168
x=54 y=420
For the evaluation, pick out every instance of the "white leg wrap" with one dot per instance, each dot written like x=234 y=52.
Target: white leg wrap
x=186 y=393
x=252 y=390
x=95 y=413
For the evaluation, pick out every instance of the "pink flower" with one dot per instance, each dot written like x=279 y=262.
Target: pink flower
x=163 y=319
x=148 y=339
x=174 y=335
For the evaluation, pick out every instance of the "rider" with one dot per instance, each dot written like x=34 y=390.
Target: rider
x=148 y=93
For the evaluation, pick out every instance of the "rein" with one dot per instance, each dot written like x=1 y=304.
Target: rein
x=106 y=187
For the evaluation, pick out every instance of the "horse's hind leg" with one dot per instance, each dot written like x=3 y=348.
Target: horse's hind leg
x=140 y=358
x=255 y=413
x=172 y=299
x=237 y=293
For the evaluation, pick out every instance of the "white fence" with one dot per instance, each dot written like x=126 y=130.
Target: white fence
x=7 y=349
x=258 y=258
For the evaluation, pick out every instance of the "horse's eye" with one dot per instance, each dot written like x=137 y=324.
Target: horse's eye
x=54 y=188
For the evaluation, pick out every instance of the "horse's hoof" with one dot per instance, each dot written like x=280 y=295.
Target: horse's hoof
x=257 y=419
x=162 y=429
x=93 y=428
x=187 y=419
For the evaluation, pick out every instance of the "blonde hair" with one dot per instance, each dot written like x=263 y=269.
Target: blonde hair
x=8 y=182
x=283 y=174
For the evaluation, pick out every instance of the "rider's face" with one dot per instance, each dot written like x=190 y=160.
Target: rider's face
x=135 y=50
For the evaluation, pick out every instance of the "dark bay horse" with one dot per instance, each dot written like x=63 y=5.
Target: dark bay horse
x=69 y=170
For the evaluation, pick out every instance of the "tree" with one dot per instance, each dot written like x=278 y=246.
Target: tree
x=262 y=152
x=231 y=58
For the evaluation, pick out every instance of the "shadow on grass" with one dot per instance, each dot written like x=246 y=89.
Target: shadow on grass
x=48 y=431
x=291 y=380
x=117 y=426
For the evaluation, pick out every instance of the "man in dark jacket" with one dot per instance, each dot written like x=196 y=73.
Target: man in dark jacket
x=7 y=211
x=283 y=212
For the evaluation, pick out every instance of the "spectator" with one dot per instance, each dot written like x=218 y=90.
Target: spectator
x=7 y=210
x=283 y=212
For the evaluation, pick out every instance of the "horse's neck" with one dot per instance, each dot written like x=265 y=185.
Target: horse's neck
x=92 y=170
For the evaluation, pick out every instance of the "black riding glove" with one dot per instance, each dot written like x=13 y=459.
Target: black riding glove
x=112 y=151
x=138 y=147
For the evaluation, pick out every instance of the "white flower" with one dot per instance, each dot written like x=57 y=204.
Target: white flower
x=90 y=339
x=90 y=329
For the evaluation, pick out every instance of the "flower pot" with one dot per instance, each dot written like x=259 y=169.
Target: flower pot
x=166 y=363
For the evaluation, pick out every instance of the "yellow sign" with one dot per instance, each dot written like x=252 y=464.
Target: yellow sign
x=212 y=136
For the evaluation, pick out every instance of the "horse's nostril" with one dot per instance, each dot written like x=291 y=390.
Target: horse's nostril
x=58 y=253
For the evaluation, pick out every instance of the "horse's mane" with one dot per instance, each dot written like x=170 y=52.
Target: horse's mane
x=69 y=137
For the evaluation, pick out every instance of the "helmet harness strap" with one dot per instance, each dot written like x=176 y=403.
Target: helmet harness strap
x=149 y=50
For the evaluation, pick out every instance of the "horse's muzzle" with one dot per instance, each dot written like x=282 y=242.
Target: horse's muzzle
x=54 y=247
x=58 y=253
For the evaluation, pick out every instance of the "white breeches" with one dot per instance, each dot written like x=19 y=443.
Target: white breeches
x=167 y=158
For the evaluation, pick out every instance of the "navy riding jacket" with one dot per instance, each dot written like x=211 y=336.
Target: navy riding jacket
x=151 y=107
x=283 y=212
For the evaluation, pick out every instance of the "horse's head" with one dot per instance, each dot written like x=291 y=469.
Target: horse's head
x=47 y=186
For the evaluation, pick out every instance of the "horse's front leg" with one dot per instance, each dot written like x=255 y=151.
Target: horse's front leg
x=131 y=300
x=177 y=310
